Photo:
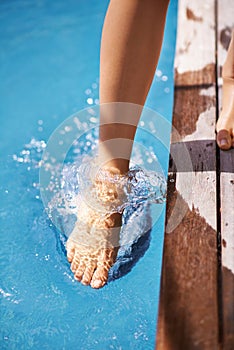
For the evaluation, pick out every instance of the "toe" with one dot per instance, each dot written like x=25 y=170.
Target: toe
x=80 y=271
x=70 y=254
x=70 y=246
x=106 y=260
x=88 y=274
x=100 y=277
x=75 y=262
x=224 y=139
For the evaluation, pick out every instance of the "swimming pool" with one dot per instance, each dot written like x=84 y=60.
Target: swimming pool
x=49 y=64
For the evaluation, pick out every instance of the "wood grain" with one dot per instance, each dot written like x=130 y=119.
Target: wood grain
x=195 y=59
x=227 y=236
x=189 y=309
x=188 y=316
x=188 y=306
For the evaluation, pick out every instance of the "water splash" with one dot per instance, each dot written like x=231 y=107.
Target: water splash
x=31 y=154
x=133 y=193
x=76 y=182
x=132 y=189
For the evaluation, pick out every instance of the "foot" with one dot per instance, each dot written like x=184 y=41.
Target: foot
x=93 y=245
x=225 y=123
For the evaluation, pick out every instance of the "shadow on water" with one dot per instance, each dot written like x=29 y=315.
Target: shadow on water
x=135 y=219
x=129 y=258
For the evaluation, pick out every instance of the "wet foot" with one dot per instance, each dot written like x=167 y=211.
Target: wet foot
x=225 y=123
x=93 y=245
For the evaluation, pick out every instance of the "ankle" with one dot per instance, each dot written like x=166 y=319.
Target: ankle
x=117 y=166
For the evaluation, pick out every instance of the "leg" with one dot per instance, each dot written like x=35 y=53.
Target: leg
x=131 y=43
x=225 y=124
x=127 y=67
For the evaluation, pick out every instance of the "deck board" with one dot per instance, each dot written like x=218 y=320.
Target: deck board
x=225 y=25
x=188 y=316
x=194 y=61
x=189 y=310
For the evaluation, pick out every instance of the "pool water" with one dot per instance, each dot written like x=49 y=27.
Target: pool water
x=49 y=66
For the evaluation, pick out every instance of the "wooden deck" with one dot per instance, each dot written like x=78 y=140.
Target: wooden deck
x=197 y=286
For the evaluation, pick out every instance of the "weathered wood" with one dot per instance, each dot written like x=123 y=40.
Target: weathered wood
x=225 y=25
x=191 y=104
x=188 y=305
x=195 y=60
x=188 y=316
x=188 y=311
x=227 y=230
x=201 y=153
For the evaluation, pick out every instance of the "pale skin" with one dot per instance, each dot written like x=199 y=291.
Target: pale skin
x=130 y=47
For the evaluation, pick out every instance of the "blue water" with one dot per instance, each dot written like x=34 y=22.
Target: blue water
x=49 y=66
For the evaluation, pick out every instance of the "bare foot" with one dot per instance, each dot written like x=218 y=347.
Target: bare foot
x=93 y=245
x=225 y=123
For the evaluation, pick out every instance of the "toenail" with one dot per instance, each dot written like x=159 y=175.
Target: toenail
x=223 y=142
x=85 y=283
x=97 y=284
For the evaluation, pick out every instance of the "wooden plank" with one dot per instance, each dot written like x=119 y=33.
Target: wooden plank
x=227 y=229
x=225 y=25
x=195 y=60
x=194 y=110
x=188 y=316
x=188 y=307
x=188 y=312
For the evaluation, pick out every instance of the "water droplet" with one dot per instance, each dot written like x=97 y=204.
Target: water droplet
x=158 y=73
x=93 y=120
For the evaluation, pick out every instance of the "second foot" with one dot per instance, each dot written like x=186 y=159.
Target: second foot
x=225 y=123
